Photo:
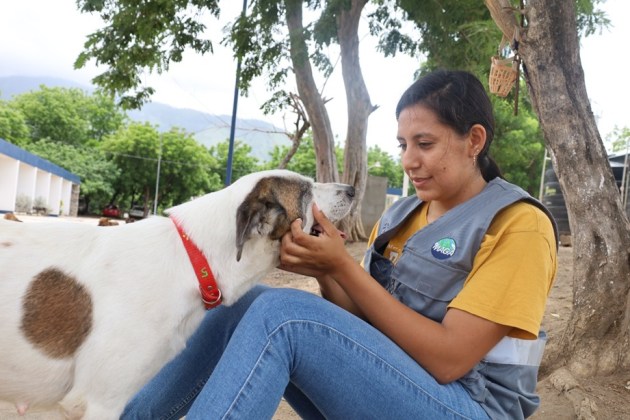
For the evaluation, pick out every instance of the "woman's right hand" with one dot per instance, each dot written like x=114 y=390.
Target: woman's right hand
x=314 y=256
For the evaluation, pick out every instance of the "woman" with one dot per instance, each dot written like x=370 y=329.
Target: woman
x=443 y=322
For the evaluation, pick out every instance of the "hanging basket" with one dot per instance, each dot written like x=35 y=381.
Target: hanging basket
x=503 y=74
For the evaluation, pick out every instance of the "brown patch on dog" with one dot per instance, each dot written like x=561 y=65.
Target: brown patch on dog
x=270 y=208
x=12 y=217
x=104 y=221
x=57 y=314
x=6 y=244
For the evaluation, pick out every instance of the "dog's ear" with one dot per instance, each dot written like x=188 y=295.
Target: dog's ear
x=269 y=210
x=248 y=218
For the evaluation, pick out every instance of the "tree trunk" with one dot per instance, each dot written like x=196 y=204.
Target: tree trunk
x=596 y=340
x=359 y=109
x=323 y=142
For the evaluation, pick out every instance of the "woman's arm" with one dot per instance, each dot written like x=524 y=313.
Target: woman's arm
x=447 y=350
x=333 y=292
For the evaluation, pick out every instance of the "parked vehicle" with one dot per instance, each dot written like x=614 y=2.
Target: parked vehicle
x=137 y=212
x=111 y=210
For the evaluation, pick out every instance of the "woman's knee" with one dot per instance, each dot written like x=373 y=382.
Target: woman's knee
x=278 y=305
x=284 y=298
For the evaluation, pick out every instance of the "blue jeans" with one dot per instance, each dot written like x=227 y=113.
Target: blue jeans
x=326 y=362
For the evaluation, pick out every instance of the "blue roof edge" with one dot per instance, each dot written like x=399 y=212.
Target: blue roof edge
x=22 y=155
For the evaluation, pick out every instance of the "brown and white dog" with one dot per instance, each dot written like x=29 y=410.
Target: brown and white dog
x=88 y=315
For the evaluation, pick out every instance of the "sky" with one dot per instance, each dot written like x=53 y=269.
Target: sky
x=44 y=37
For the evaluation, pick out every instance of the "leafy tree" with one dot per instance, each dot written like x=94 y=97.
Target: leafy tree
x=242 y=162
x=186 y=167
x=142 y=36
x=134 y=149
x=68 y=116
x=303 y=161
x=13 y=126
x=381 y=163
x=619 y=139
x=104 y=116
x=98 y=174
x=518 y=147
x=452 y=34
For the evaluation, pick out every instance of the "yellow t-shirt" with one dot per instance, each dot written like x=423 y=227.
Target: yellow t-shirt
x=512 y=272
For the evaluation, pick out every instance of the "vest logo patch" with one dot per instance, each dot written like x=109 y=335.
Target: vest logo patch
x=444 y=248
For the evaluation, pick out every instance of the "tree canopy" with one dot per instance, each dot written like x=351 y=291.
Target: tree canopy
x=68 y=115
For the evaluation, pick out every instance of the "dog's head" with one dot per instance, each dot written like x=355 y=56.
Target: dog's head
x=280 y=197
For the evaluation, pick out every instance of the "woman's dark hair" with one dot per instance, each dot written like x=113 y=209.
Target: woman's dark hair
x=460 y=101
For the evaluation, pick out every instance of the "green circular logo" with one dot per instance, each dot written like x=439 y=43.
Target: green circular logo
x=444 y=248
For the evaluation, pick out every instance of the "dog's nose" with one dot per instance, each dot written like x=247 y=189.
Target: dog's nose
x=350 y=191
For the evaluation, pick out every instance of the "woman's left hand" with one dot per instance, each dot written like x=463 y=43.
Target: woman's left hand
x=310 y=255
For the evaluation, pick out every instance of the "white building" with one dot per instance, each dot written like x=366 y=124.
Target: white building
x=29 y=184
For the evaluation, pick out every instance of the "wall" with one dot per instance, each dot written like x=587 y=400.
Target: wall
x=26 y=176
x=373 y=204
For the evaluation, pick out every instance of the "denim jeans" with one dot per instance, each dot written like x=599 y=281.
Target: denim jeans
x=326 y=362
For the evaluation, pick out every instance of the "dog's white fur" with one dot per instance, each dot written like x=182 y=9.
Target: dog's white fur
x=144 y=293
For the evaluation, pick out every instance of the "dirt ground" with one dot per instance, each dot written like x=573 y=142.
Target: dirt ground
x=605 y=398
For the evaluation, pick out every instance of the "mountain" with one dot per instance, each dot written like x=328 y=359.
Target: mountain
x=207 y=129
x=211 y=129
x=15 y=85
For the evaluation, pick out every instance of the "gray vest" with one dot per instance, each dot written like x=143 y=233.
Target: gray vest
x=504 y=381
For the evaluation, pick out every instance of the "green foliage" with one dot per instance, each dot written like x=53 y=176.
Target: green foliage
x=186 y=167
x=303 y=161
x=55 y=114
x=242 y=162
x=381 y=163
x=518 y=146
x=68 y=116
x=460 y=34
x=98 y=174
x=590 y=19
x=619 y=139
x=141 y=36
x=104 y=115
x=258 y=42
x=134 y=149
x=13 y=127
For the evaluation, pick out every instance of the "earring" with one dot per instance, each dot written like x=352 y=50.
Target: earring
x=475 y=159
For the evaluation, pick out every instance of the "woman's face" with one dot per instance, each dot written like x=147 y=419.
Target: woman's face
x=439 y=161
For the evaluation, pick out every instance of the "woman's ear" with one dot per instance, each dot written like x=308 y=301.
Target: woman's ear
x=477 y=139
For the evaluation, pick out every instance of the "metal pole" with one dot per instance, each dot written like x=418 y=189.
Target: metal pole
x=228 y=173
x=157 y=179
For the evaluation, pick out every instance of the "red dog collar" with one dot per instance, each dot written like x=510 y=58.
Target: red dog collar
x=210 y=293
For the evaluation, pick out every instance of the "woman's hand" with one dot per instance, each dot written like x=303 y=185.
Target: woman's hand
x=310 y=255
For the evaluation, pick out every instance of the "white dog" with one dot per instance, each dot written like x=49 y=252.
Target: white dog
x=88 y=314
